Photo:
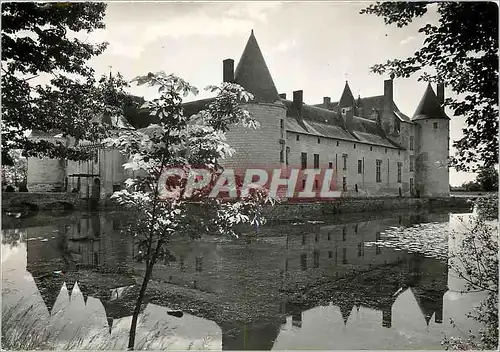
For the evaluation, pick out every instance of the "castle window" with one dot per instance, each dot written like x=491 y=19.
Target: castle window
x=316 y=161
x=303 y=261
x=412 y=162
x=337 y=143
x=356 y=187
x=297 y=138
x=330 y=165
x=303 y=160
x=411 y=142
x=435 y=125
x=371 y=148
x=344 y=156
x=354 y=145
x=316 y=259
x=360 y=166
x=378 y=177
x=199 y=263
x=319 y=140
x=400 y=166
x=386 y=150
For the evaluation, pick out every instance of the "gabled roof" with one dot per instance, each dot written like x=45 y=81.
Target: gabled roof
x=429 y=107
x=370 y=103
x=115 y=122
x=327 y=123
x=347 y=99
x=253 y=75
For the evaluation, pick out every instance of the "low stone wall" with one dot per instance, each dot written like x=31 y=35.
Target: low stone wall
x=41 y=201
x=289 y=211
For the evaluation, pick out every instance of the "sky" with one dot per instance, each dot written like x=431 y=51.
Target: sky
x=309 y=46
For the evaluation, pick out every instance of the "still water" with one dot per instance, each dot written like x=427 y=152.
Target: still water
x=364 y=282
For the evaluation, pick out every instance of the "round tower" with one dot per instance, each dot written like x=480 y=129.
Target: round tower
x=44 y=174
x=269 y=141
x=432 y=178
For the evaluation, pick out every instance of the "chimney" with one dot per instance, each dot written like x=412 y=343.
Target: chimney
x=282 y=95
x=386 y=117
x=440 y=93
x=228 y=70
x=298 y=99
x=438 y=314
x=387 y=317
x=326 y=102
x=388 y=95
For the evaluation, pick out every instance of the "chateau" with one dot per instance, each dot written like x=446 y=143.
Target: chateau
x=373 y=147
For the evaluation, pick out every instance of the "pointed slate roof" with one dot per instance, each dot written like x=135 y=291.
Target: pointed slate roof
x=49 y=288
x=347 y=99
x=429 y=107
x=253 y=75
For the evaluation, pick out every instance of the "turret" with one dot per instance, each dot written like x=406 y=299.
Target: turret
x=253 y=74
x=347 y=105
x=432 y=152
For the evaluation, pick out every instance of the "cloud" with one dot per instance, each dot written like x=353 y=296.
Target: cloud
x=130 y=38
x=286 y=45
x=407 y=40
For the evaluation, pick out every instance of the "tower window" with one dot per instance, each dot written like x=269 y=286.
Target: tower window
x=435 y=125
x=303 y=160
x=378 y=177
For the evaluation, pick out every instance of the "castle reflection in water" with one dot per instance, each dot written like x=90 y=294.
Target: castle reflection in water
x=259 y=280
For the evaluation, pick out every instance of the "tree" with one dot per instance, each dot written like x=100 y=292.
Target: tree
x=39 y=39
x=488 y=179
x=471 y=186
x=15 y=174
x=181 y=141
x=475 y=260
x=461 y=51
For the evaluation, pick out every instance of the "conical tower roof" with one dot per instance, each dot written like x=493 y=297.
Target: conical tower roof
x=253 y=75
x=49 y=288
x=347 y=99
x=345 y=310
x=429 y=107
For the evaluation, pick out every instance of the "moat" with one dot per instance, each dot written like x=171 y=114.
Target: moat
x=366 y=281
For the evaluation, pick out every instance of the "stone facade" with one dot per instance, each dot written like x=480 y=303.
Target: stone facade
x=374 y=148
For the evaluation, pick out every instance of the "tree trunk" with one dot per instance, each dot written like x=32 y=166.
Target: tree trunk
x=135 y=316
